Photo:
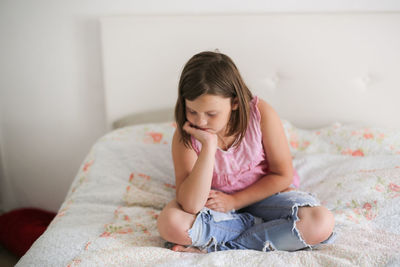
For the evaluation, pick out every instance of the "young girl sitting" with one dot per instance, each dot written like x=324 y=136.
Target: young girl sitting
x=233 y=170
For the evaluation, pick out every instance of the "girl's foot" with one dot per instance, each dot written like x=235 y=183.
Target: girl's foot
x=179 y=248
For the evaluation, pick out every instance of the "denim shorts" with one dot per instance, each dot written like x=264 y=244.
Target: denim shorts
x=267 y=225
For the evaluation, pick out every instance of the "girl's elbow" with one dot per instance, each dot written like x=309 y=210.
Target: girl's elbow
x=289 y=175
x=188 y=207
x=192 y=209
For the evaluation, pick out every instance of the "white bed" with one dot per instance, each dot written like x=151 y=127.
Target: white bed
x=333 y=78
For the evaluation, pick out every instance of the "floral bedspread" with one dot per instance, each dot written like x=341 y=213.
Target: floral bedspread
x=109 y=215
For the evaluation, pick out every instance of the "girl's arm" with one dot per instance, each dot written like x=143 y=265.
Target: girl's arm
x=280 y=167
x=193 y=174
x=279 y=159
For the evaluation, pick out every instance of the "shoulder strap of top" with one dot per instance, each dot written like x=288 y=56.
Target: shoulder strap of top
x=255 y=113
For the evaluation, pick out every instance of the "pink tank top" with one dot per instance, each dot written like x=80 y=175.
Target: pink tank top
x=241 y=166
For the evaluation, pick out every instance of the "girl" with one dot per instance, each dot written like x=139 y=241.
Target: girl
x=234 y=170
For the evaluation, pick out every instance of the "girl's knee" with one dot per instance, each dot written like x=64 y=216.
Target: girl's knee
x=316 y=225
x=173 y=225
x=324 y=221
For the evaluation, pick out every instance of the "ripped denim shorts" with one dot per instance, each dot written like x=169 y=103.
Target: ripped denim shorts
x=267 y=225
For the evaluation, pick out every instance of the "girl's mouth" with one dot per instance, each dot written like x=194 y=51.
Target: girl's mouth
x=197 y=127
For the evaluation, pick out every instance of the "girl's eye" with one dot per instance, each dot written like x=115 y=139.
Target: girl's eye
x=194 y=113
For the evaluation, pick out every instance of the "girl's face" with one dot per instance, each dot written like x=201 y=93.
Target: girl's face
x=210 y=112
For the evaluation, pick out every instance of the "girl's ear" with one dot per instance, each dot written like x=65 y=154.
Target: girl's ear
x=235 y=103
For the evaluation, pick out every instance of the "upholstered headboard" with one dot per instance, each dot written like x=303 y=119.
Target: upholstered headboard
x=314 y=69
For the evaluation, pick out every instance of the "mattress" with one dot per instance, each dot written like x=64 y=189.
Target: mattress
x=109 y=216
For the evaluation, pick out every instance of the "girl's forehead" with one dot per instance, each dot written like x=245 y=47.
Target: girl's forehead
x=209 y=102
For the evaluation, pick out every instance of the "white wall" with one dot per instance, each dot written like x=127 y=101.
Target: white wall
x=51 y=91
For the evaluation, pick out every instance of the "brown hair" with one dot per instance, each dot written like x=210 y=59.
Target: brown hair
x=213 y=73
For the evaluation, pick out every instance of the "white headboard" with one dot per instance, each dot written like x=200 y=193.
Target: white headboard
x=314 y=69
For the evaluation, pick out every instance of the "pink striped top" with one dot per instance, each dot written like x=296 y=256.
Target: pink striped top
x=239 y=167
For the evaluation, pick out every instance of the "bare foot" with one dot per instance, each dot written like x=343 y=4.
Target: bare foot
x=179 y=248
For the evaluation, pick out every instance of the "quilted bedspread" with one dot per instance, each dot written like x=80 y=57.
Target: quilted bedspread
x=109 y=215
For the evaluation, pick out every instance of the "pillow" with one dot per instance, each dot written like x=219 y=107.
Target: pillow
x=156 y=116
x=20 y=228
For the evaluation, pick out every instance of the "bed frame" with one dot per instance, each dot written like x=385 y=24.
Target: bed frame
x=315 y=69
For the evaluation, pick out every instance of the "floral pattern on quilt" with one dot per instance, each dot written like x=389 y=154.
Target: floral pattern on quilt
x=81 y=178
x=127 y=179
x=145 y=191
x=136 y=227
x=361 y=196
x=343 y=139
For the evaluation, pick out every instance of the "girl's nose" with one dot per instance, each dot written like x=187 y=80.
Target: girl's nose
x=201 y=121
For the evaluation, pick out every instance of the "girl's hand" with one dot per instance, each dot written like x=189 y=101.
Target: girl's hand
x=220 y=201
x=205 y=137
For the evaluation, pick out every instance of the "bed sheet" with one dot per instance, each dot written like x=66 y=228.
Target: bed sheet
x=109 y=215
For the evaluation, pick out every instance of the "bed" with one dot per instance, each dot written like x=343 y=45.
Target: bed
x=334 y=79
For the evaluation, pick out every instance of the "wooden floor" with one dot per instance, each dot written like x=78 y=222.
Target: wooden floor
x=6 y=258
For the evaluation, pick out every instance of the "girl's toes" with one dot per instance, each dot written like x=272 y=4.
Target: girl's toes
x=178 y=248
